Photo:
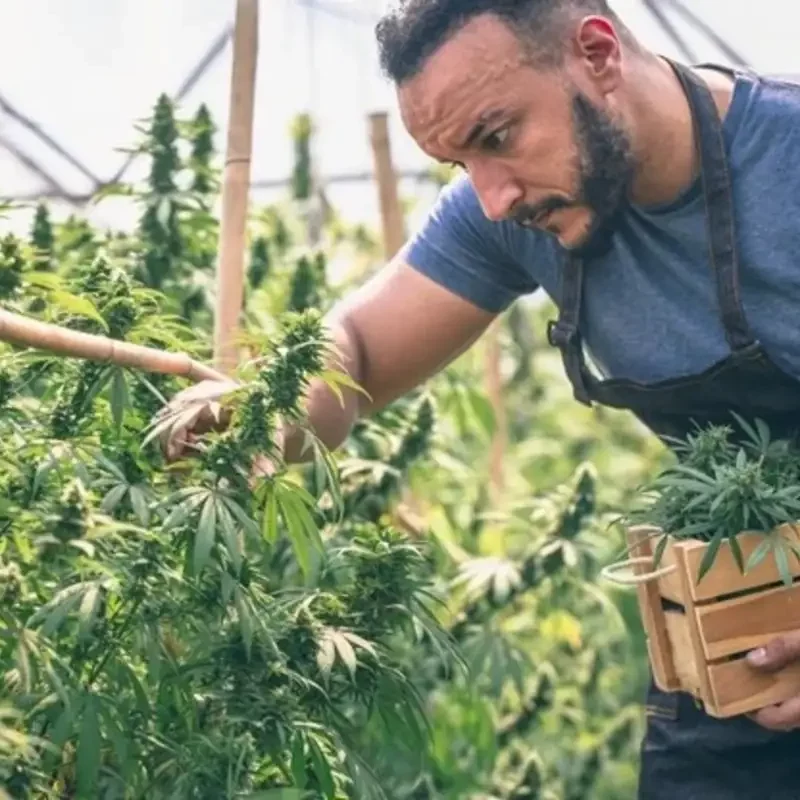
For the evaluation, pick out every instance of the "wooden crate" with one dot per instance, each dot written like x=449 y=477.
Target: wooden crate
x=698 y=633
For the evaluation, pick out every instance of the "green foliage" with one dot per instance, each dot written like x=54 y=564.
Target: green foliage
x=307 y=289
x=381 y=622
x=160 y=230
x=258 y=267
x=42 y=238
x=76 y=242
x=164 y=148
x=191 y=631
x=177 y=236
x=727 y=481
x=202 y=154
x=11 y=266
x=301 y=131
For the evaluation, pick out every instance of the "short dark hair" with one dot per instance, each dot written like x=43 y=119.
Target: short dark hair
x=411 y=33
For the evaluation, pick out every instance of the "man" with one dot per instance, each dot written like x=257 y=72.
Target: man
x=657 y=205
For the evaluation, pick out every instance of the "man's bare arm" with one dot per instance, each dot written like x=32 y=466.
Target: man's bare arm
x=392 y=334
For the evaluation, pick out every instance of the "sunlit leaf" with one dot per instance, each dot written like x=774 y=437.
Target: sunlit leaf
x=326 y=654
x=140 y=504
x=345 y=650
x=205 y=536
x=270 y=518
x=119 y=396
x=74 y=304
x=230 y=536
x=87 y=611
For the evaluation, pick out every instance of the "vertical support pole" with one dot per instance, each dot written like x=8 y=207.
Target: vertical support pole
x=494 y=390
x=391 y=212
x=236 y=185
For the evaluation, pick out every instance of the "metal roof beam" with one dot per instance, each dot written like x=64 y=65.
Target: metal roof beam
x=701 y=25
x=197 y=72
x=419 y=175
x=671 y=30
x=40 y=133
x=28 y=161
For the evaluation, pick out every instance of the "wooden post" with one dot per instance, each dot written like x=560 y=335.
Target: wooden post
x=236 y=186
x=494 y=390
x=391 y=212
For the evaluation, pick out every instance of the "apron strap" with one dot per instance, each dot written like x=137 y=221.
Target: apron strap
x=564 y=332
x=718 y=196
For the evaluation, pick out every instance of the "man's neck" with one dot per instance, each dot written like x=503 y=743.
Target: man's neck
x=665 y=140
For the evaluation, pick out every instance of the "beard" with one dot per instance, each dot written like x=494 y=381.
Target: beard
x=604 y=168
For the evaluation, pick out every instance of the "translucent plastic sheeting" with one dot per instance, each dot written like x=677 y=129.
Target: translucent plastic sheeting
x=87 y=71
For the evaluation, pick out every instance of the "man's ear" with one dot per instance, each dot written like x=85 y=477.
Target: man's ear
x=597 y=46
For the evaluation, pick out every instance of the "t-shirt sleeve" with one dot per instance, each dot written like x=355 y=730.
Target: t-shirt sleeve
x=461 y=249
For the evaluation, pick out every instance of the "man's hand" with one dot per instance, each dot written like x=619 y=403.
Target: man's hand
x=191 y=413
x=776 y=654
x=198 y=410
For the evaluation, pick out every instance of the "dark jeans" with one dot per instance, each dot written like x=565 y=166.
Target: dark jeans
x=688 y=755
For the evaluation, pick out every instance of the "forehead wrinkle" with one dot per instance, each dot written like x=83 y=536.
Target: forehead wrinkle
x=445 y=111
x=485 y=50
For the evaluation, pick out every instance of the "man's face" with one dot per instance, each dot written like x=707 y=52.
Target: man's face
x=539 y=145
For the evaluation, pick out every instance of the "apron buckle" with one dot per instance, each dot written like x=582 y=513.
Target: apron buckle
x=560 y=334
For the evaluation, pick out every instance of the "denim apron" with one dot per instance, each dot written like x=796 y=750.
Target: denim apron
x=687 y=754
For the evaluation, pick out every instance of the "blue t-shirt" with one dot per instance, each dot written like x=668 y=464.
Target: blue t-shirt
x=650 y=308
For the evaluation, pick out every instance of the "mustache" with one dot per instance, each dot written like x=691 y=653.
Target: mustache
x=529 y=212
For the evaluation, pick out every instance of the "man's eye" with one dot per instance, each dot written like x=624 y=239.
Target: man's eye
x=495 y=141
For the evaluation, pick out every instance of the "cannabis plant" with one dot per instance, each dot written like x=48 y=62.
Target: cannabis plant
x=160 y=228
x=259 y=263
x=202 y=152
x=727 y=480
x=201 y=629
x=301 y=132
x=369 y=624
x=177 y=240
x=42 y=238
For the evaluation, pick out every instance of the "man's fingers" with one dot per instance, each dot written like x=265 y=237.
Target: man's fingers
x=204 y=390
x=771 y=657
x=199 y=418
x=777 y=653
x=173 y=438
x=782 y=717
x=195 y=410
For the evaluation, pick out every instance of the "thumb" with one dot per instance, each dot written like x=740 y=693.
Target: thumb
x=776 y=653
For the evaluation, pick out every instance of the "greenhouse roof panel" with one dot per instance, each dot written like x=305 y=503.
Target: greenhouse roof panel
x=87 y=73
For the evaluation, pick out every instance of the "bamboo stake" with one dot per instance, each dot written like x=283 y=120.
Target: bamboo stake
x=236 y=185
x=391 y=212
x=494 y=389
x=22 y=331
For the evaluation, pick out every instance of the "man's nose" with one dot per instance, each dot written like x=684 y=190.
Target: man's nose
x=497 y=191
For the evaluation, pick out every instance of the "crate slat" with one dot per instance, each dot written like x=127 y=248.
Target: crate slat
x=725 y=576
x=652 y=613
x=695 y=641
x=743 y=623
x=737 y=688
x=684 y=658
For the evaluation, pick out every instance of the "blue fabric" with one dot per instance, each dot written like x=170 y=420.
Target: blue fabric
x=649 y=306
